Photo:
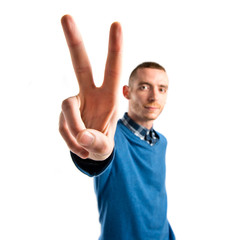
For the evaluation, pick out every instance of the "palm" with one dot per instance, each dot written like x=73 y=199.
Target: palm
x=93 y=108
x=97 y=107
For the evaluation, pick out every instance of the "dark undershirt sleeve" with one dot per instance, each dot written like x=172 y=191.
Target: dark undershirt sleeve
x=89 y=166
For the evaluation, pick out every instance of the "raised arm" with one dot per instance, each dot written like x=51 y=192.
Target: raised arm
x=88 y=120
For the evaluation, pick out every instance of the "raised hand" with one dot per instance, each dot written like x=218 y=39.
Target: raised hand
x=88 y=120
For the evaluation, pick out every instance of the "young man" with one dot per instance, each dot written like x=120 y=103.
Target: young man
x=127 y=158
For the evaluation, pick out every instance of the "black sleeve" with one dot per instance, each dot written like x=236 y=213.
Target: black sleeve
x=89 y=166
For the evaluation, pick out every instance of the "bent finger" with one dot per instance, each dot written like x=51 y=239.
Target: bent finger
x=96 y=143
x=71 y=112
x=69 y=139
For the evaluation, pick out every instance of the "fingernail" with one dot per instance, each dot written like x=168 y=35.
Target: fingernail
x=86 y=139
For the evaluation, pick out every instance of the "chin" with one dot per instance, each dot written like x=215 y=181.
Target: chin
x=152 y=117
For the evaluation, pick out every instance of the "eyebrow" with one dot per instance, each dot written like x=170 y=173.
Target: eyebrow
x=147 y=83
x=165 y=86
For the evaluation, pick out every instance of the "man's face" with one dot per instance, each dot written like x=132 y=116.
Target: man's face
x=147 y=95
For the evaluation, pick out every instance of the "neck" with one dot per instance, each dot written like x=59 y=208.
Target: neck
x=144 y=123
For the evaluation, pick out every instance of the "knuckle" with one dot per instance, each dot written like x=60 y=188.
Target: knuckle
x=67 y=104
x=72 y=146
x=61 y=129
x=102 y=148
x=82 y=69
x=112 y=73
x=70 y=143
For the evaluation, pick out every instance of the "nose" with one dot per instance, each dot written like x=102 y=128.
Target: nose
x=154 y=94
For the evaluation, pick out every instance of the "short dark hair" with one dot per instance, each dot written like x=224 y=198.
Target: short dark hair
x=153 y=65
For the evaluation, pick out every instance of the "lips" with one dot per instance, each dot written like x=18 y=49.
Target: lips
x=151 y=106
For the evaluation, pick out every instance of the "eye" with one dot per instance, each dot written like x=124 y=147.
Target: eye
x=144 y=87
x=162 y=90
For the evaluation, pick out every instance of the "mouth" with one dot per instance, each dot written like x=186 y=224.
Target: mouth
x=152 y=108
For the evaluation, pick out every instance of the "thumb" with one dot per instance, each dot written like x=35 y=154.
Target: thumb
x=96 y=143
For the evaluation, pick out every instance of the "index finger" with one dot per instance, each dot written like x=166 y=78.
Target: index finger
x=78 y=53
x=114 y=58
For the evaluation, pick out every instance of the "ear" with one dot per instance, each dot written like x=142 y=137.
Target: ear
x=126 y=92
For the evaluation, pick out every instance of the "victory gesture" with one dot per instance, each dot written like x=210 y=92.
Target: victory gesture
x=88 y=120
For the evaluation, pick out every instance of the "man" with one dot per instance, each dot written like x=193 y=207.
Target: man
x=127 y=158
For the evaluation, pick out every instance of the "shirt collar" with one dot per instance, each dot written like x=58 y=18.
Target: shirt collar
x=143 y=133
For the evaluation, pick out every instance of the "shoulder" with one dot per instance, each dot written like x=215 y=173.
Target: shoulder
x=124 y=136
x=121 y=130
x=161 y=136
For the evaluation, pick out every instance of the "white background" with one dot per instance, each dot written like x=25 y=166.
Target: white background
x=43 y=195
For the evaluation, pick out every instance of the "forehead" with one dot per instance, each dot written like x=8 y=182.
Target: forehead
x=152 y=76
